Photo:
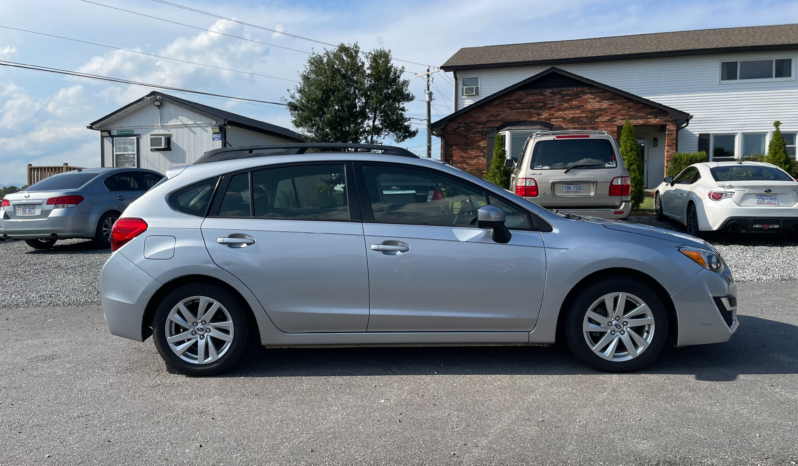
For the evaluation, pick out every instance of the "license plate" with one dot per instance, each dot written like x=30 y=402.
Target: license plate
x=572 y=188
x=26 y=210
x=766 y=200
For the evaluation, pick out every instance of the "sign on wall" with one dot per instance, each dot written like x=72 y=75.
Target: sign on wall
x=124 y=132
x=217 y=137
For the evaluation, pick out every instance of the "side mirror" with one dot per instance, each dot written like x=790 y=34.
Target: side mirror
x=509 y=163
x=493 y=217
x=669 y=180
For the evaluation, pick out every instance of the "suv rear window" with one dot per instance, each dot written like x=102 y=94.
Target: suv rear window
x=562 y=154
x=194 y=199
x=72 y=180
x=748 y=173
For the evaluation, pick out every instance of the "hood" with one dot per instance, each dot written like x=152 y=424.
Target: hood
x=654 y=232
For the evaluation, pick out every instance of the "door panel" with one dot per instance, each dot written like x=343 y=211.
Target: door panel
x=310 y=276
x=453 y=279
x=124 y=188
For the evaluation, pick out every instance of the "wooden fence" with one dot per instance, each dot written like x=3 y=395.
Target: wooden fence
x=36 y=174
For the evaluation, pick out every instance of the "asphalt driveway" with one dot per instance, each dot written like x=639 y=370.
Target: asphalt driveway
x=72 y=394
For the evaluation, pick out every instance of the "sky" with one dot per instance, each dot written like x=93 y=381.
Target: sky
x=43 y=116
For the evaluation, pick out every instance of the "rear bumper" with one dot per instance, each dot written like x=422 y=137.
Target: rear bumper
x=67 y=225
x=760 y=224
x=620 y=212
x=125 y=291
x=706 y=310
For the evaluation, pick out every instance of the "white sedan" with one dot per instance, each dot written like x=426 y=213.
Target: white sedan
x=730 y=196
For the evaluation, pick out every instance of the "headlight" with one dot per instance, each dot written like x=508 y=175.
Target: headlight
x=710 y=260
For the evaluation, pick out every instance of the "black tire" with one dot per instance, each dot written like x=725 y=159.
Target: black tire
x=102 y=234
x=41 y=243
x=658 y=215
x=237 y=314
x=577 y=339
x=691 y=222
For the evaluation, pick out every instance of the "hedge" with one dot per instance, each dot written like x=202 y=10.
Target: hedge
x=681 y=160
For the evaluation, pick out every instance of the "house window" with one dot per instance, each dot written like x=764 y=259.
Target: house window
x=514 y=142
x=723 y=147
x=790 y=138
x=470 y=87
x=756 y=69
x=753 y=144
x=125 y=152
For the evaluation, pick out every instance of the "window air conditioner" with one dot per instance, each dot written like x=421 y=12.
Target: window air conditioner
x=469 y=90
x=159 y=142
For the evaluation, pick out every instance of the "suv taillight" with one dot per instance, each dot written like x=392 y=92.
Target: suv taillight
x=124 y=230
x=526 y=187
x=5 y=203
x=63 y=202
x=620 y=186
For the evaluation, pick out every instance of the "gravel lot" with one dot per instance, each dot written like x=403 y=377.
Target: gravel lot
x=68 y=275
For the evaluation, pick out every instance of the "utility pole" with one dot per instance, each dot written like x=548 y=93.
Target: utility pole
x=428 y=93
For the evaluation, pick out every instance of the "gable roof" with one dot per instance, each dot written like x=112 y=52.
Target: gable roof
x=638 y=46
x=226 y=117
x=557 y=78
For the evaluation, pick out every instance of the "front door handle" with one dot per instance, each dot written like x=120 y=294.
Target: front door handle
x=389 y=248
x=236 y=242
x=120 y=198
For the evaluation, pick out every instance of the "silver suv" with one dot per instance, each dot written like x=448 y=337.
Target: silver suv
x=344 y=247
x=578 y=172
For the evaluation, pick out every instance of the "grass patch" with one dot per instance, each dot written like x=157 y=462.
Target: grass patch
x=646 y=208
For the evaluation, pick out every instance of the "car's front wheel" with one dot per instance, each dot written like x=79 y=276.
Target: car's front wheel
x=616 y=325
x=658 y=208
x=200 y=329
x=40 y=243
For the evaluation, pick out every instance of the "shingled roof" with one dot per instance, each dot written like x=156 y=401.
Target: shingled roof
x=666 y=44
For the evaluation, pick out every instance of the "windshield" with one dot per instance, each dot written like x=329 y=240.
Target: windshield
x=748 y=173
x=562 y=154
x=71 y=180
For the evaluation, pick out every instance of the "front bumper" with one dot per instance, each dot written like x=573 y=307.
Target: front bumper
x=706 y=309
x=125 y=291
x=67 y=225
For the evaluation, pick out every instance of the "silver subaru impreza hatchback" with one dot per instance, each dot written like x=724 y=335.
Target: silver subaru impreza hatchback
x=334 y=245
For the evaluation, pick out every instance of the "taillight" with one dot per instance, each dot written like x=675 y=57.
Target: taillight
x=63 y=202
x=124 y=230
x=5 y=203
x=620 y=186
x=718 y=195
x=526 y=187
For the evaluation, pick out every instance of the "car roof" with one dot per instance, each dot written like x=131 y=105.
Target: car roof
x=727 y=164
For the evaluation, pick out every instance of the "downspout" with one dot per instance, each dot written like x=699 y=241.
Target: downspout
x=454 y=91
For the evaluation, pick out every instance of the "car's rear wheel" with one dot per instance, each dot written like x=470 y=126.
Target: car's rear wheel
x=616 y=325
x=691 y=222
x=658 y=208
x=40 y=243
x=200 y=330
x=102 y=237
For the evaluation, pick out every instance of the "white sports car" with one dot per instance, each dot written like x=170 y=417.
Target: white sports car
x=730 y=196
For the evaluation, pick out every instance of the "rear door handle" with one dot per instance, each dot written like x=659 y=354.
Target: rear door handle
x=120 y=198
x=236 y=242
x=389 y=248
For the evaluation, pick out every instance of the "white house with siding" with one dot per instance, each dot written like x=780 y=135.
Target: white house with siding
x=733 y=82
x=160 y=131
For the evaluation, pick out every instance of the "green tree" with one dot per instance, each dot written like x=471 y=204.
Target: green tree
x=343 y=98
x=498 y=173
x=630 y=151
x=777 y=151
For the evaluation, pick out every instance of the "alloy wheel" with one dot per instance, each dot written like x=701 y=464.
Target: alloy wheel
x=199 y=330
x=618 y=327
x=692 y=221
x=108 y=227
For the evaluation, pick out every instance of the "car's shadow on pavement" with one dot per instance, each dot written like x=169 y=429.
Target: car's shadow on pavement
x=69 y=247
x=760 y=346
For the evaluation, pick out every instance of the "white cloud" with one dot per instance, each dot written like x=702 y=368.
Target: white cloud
x=68 y=101
x=278 y=27
x=18 y=108
x=7 y=52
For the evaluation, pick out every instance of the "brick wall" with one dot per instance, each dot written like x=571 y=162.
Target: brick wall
x=587 y=107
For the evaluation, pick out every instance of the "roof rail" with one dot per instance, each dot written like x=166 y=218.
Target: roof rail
x=243 y=152
x=572 y=131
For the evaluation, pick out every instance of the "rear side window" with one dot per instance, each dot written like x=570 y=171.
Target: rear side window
x=562 y=154
x=236 y=201
x=311 y=192
x=194 y=199
x=126 y=181
x=72 y=180
x=149 y=180
x=748 y=173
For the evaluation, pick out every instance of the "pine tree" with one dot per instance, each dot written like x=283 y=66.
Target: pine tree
x=777 y=151
x=630 y=151
x=498 y=173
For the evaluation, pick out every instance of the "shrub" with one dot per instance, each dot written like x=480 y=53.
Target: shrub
x=498 y=174
x=754 y=158
x=632 y=159
x=777 y=151
x=681 y=160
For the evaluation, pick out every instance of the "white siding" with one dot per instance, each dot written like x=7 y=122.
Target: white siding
x=242 y=137
x=690 y=84
x=655 y=162
x=145 y=115
x=108 y=152
x=188 y=144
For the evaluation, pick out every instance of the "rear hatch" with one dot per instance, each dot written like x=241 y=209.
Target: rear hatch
x=756 y=185
x=576 y=171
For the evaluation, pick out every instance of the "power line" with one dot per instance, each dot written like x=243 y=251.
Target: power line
x=147 y=54
x=446 y=78
x=442 y=94
x=126 y=81
x=196 y=27
x=206 y=13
